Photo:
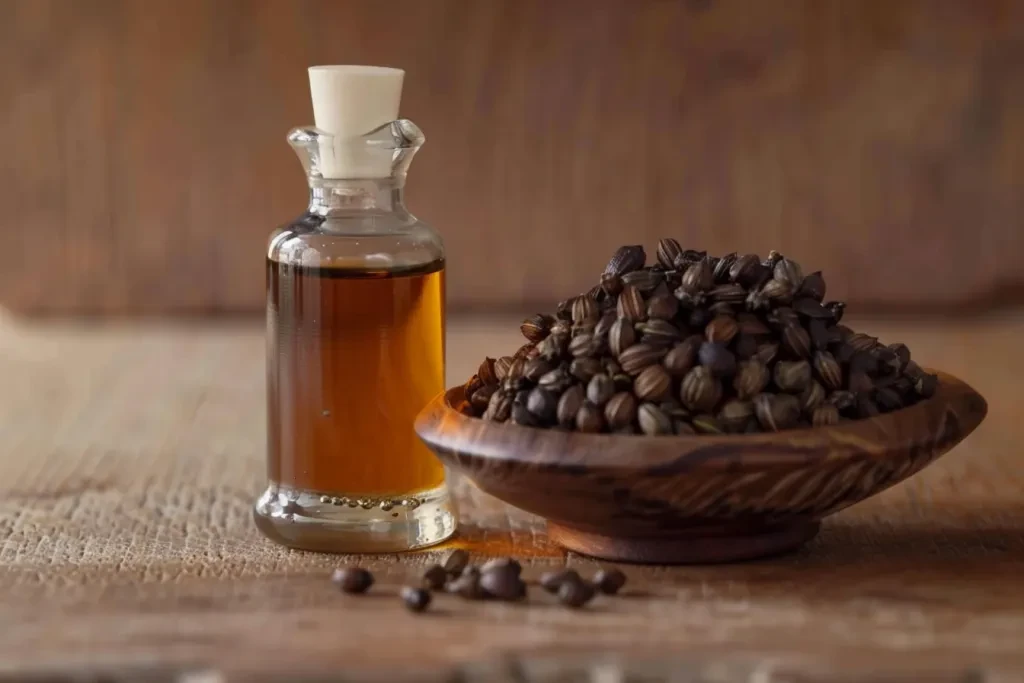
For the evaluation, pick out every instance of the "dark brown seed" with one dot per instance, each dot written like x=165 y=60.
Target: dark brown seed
x=866 y=407
x=902 y=354
x=729 y=294
x=569 y=404
x=600 y=389
x=552 y=581
x=887 y=360
x=499 y=408
x=653 y=421
x=527 y=352
x=782 y=317
x=864 y=362
x=481 y=398
x=776 y=290
x=682 y=356
x=473 y=384
x=415 y=599
x=745 y=347
x=352 y=580
x=502 y=563
x=604 y=325
x=796 y=341
x=819 y=334
x=668 y=250
x=585 y=345
x=776 y=412
x=542 y=404
x=575 y=593
x=721 y=308
x=751 y=324
x=653 y=384
x=621 y=336
x=862 y=342
x=700 y=391
x=584 y=310
x=522 y=416
x=536 y=327
x=501 y=368
x=515 y=370
x=626 y=260
x=745 y=269
x=699 y=318
x=825 y=415
x=767 y=352
x=585 y=368
x=735 y=415
x=860 y=383
x=435 y=577
x=813 y=287
x=790 y=273
x=488 y=372
x=843 y=400
x=698 y=277
x=812 y=397
x=659 y=332
x=722 y=267
x=501 y=582
x=536 y=368
x=792 y=376
x=888 y=399
x=707 y=424
x=683 y=428
x=631 y=304
x=622 y=382
x=925 y=385
x=553 y=346
x=662 y=308
x=639 y=356
x=837 y=308
x=751 y=378
x=589 y=418
x=644 y=280
x=556 y=381
x=609 y=581
x=689 y=300
x=811 y=308
x=721 y=330
x=611 y=284
x=620 y=410
x=717 y=358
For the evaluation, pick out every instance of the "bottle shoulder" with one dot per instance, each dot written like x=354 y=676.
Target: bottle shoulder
x=371 y=242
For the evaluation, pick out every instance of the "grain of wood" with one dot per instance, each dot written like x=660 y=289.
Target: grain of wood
x=869 y=139
x=130 y=456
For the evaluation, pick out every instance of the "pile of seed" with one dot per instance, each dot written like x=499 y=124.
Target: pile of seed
x=497 y=579
x=695 y=344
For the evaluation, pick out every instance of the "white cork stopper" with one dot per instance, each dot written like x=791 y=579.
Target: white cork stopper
x=349 y=102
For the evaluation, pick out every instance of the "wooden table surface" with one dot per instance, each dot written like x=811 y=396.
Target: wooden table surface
x=131 y=455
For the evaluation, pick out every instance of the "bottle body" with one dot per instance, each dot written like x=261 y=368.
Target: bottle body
x=355 y=349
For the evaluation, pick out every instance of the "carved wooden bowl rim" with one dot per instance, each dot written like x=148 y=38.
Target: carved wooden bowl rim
x=938 y=423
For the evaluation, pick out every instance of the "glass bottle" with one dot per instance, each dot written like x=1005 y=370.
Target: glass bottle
x=355 y=348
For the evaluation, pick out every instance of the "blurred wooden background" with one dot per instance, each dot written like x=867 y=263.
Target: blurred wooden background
x=144 y=157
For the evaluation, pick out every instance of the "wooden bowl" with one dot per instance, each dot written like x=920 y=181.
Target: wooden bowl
x=683 y=499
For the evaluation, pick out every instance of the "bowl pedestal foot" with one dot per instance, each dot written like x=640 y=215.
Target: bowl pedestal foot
x=698 y=547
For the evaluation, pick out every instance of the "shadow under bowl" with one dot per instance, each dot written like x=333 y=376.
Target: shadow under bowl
x=696 y=499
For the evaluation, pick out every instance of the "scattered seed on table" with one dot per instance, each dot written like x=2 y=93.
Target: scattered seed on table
x=552 y=581
x=352 y=579
x=609 y=581
x=415 y=599
x=575 y=593
x=502 y=582
x=500 y=562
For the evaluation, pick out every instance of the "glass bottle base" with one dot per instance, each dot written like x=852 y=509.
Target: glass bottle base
x=310 y=520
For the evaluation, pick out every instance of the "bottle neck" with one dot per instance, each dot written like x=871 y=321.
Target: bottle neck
x=331 y=197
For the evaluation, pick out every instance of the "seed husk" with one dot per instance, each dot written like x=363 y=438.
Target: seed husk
x=631 y=304
x=682 y=356
x=620 y=411
x=792 y=376
x=626 y=260
x=600 y=389
x=735 y=415
x=721 y=330
x=717 y=358
x=589 y=418
x=751 y=378
x=668 y=250
x=536 y=327
x=825 y=415
x=796 y=341
x=827 y=370
x=639 y=356
x=569 y=404
x=662 y=307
